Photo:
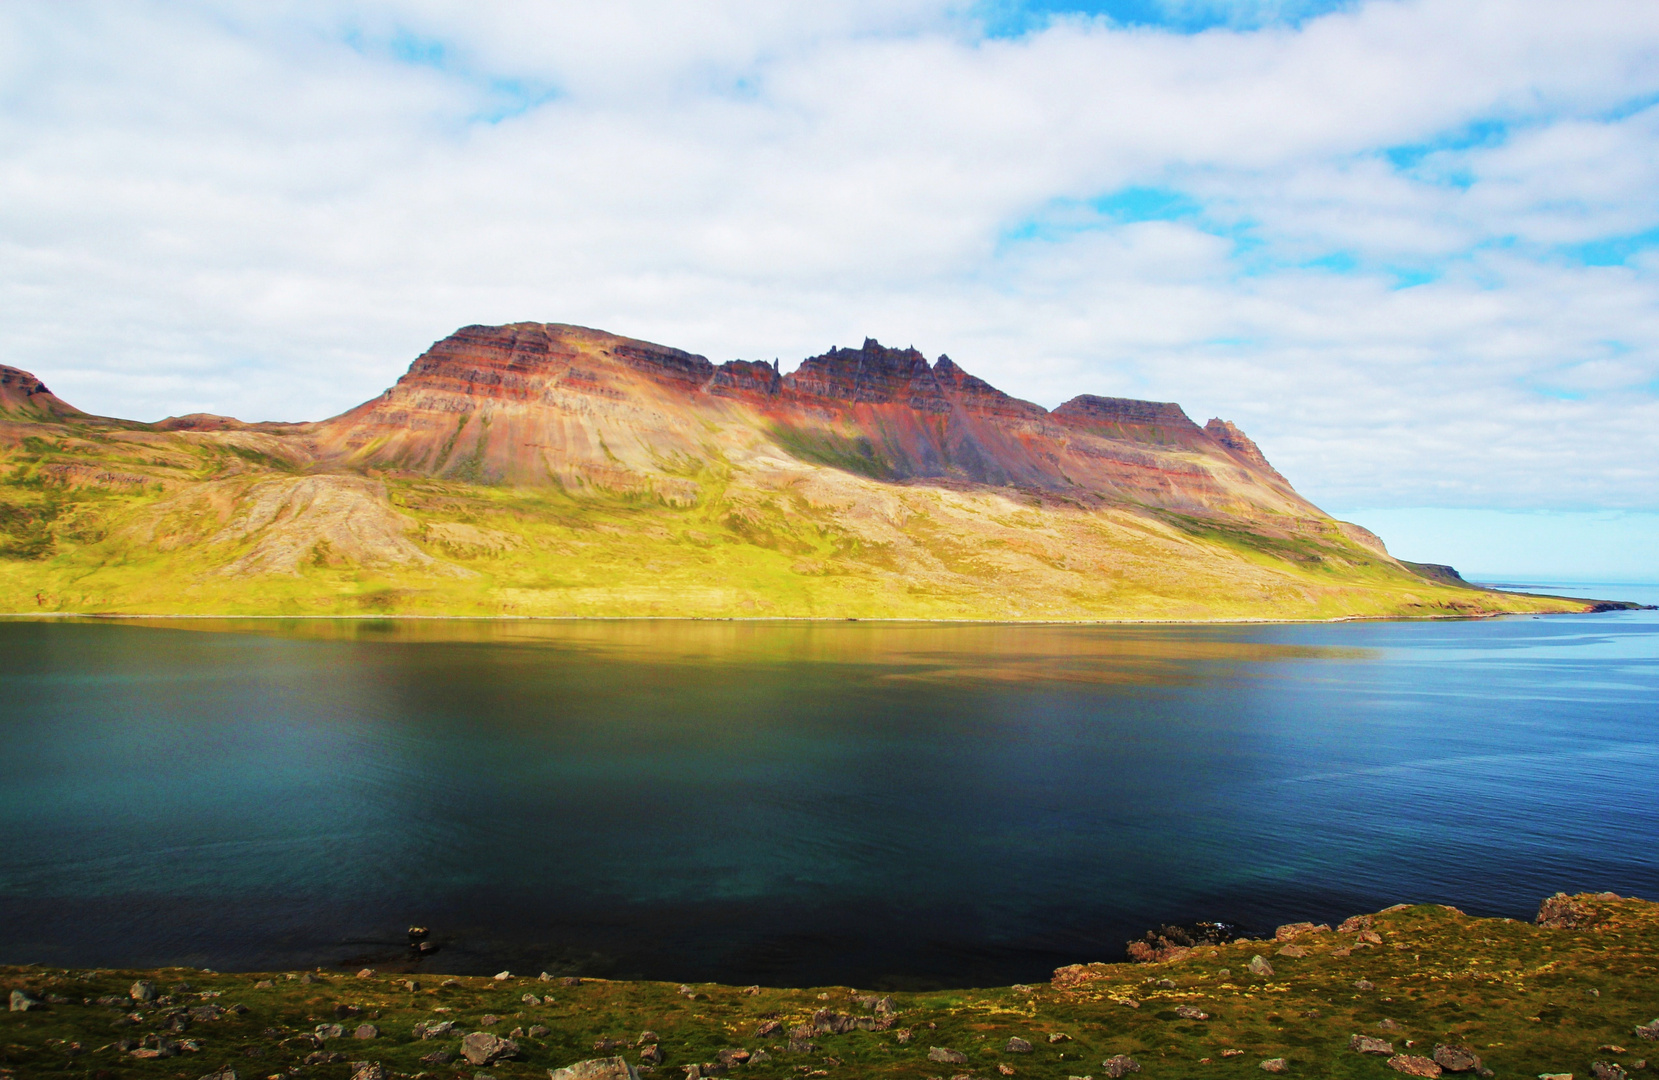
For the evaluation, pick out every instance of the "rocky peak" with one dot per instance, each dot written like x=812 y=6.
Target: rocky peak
x=20 y=391
x=1230 y=436
x=872 y=374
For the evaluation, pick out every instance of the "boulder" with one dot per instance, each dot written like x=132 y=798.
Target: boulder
x=531 y=1000
x=437 y=1057
x=1292 y=931
x=226 y=1073
x=768 y=1027
x=1016 y=1045
x=143 y=991
x=433 y=1029
x=1275 y=1065
x=1365 y=1044
x=651 y=1054
x=23 y=1001
x=1120 y=1065
x=540 y=1031
x=329 y=1031
x=946 y=1056
x=1364 y=984
x=1295 y=952
x=1191 y=1012
x=609 y=1068
x=367 y=1070
x=1260 y=967
x=1413 y=1065
x=1649 y=1030
x=1454 y=1058
x=482 y=1048
x=1608 y=1070
x=366 y=1031
x=1562 y=912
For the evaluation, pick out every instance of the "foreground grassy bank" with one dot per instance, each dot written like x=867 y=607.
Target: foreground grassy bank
x=1577 y=994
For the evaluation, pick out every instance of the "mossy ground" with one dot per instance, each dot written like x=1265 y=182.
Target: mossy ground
x=1528 y=1000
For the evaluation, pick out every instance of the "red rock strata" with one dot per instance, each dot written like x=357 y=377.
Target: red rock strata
x=537 y=403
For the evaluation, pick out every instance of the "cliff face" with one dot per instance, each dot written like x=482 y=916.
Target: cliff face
x=538 y=403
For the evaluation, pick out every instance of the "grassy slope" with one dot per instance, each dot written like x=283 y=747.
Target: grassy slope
x=82 y=528
x=1527 y=1000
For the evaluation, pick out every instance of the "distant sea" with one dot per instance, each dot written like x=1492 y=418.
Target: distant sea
x=881 y=805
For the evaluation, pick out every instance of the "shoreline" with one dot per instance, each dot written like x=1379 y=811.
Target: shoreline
x=1426 y=987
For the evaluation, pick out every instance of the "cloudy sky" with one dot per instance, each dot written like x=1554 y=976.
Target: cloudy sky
x=1412 y=246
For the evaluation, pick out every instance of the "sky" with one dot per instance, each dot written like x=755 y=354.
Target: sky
x=1410 y=246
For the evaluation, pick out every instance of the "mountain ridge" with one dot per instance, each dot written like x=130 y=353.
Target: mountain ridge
x=552 y=469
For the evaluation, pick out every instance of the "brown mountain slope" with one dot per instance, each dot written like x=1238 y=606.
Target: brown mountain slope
x=544 y=469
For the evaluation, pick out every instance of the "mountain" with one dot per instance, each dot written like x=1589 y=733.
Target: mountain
x=546 y=469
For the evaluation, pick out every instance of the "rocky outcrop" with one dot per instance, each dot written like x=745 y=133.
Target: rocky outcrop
x=24 y=396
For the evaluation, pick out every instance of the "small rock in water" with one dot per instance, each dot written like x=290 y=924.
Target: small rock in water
x=1017 y=1045
x=1275 y=1065
x=1120 y=1065
x=1365 y=1044
x=1260 y=967
x=946 y=1055
x=1413 y=1065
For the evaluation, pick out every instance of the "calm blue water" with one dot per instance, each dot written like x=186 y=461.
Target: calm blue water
x=879 y=805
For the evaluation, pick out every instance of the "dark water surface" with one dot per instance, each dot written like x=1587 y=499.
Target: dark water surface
x=879 y=805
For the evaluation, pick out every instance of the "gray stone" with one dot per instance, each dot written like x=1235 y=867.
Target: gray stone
x=650 y=1054
x=1649 y=1030
x=539 y=1031
x=1275 y=1065
x=434 y=1029
x=366 y=1031
x=531 y=1000
x=143 y=991
x=367 y=1070
x=1365 y=1044
x=945 y=1055
x=1017 y=1045
x=329 y=1031
x=482 y=1048
x=1191 y=1012
x=23 y=1001
x=1456 y=1058
x=1413 y=1065
x=610 y=1068
x=1120 y=1065
x=1260 y=967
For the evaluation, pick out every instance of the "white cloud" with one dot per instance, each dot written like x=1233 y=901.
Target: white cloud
x=269 y=209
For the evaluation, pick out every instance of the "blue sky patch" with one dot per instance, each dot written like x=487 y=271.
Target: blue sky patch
x=1613 y=250
x=1013 y=18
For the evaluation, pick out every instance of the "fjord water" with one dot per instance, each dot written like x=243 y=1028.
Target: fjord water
x=798 y=804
